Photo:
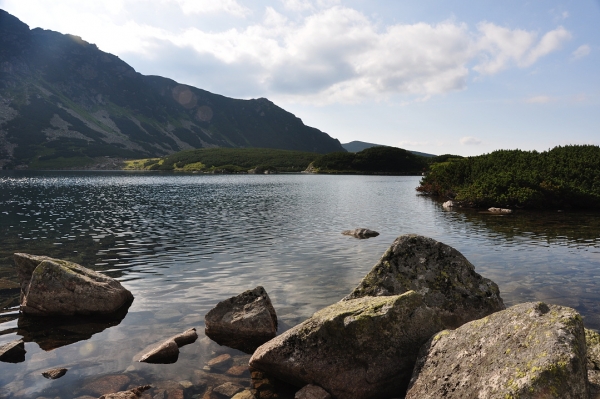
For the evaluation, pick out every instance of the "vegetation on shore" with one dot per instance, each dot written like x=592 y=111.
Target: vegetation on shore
x=561 y=178
x=228 y=160
x=373 y=160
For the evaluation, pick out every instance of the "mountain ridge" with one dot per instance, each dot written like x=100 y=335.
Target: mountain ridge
x=64 y=102
x=357 y=146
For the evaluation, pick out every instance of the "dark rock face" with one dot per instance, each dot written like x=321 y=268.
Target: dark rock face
x=58 y=287
x=13 y=352
x=243 y=322
x=355 y=349
x=445 y=278
x=360 y=233
x=532 y=350
x=114 y=111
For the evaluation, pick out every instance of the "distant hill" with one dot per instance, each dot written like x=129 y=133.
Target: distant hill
x=65 y=103
x=357 y=146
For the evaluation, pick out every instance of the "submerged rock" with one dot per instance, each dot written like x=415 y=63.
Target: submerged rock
x=243 y=322
x=355 y=349
x=54 y=373
x=360 y=233
x=445 y=278
x=312 y=392
x=52 y=287
x=499 y=210
x=532 y=350
x=129 y=394
x=13 y=352
x=168 y=351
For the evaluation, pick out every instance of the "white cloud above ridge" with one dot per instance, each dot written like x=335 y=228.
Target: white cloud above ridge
x=328 y=54
x=540 y=100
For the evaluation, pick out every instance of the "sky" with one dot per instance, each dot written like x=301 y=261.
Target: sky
x=440 y=77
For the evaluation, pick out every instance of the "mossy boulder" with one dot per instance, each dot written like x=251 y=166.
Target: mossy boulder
x=532 y=350
x=592 y=340
x=57 y=287
x=445 y=278
x=356 y=349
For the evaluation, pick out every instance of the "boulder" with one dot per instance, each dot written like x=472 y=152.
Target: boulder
x=57 y=287
x=228 y=389
x=312 y=392
x=592 y=340
x=360 y=233
x=129 y=394
x=499 y=210
x=243 y=322
x=54 y=373
x=13 y=352
x=187 y=337
x=445 y=278
x=532 y=350
x=360 y=348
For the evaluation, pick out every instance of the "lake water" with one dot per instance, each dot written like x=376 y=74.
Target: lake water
x=182 y=243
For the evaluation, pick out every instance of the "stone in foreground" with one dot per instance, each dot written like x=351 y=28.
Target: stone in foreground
x=360 y=233
x=592 y=340
x=53 y=287
x=13 y=352
x=243 y=322
x=356 y=349
x=445 y=278
x=528 y=351
x=164 y=353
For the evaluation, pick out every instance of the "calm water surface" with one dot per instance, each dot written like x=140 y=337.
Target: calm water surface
x=182 y=243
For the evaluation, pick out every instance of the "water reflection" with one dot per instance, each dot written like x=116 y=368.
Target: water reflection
x=182 y=243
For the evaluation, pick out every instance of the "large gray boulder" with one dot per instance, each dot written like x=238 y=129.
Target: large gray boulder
x=57 y=287
x=243 y=322
x=592 y=340
x=445 y=278
x=356 y=349
x=13 y=352
x=532 y=350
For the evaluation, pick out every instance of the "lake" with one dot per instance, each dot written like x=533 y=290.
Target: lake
x=183 y=242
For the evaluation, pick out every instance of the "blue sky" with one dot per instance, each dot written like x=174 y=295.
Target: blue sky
x=461 y=77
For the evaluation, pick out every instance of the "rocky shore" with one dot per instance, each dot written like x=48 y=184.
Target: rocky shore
x=421 y=324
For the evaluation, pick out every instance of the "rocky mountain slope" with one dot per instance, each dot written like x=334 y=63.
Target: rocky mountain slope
x=357 y=146
x=65 y=103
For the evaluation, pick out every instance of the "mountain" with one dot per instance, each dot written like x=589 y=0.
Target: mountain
x=357 y=146
x=64 y=102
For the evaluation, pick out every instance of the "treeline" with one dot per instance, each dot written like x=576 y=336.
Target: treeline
x=374 y=160
x=229 y=160
x=564 y=177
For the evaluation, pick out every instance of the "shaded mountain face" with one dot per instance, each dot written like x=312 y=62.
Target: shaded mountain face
x=357 y=146
x=64 y=102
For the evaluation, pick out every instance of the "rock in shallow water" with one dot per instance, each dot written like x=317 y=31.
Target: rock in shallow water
x=168 y=351
x=243 y=322
x=360 y=233
x=532 y=350
x=445 y=278
x=51 y=287
x=129 y=394
x=13 y=352
x=54 y=373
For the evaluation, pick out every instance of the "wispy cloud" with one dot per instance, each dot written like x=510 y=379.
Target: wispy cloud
x=582 y=51
x=540 y=100
x=469 y=140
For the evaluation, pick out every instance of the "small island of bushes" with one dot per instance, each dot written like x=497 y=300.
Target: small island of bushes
x=562 y=178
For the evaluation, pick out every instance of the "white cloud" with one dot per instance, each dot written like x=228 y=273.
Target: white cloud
x=581 y=51
x=468 y=140
x=499 y=47
x=211 y=6
x=329 y=54
x=540 y=100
